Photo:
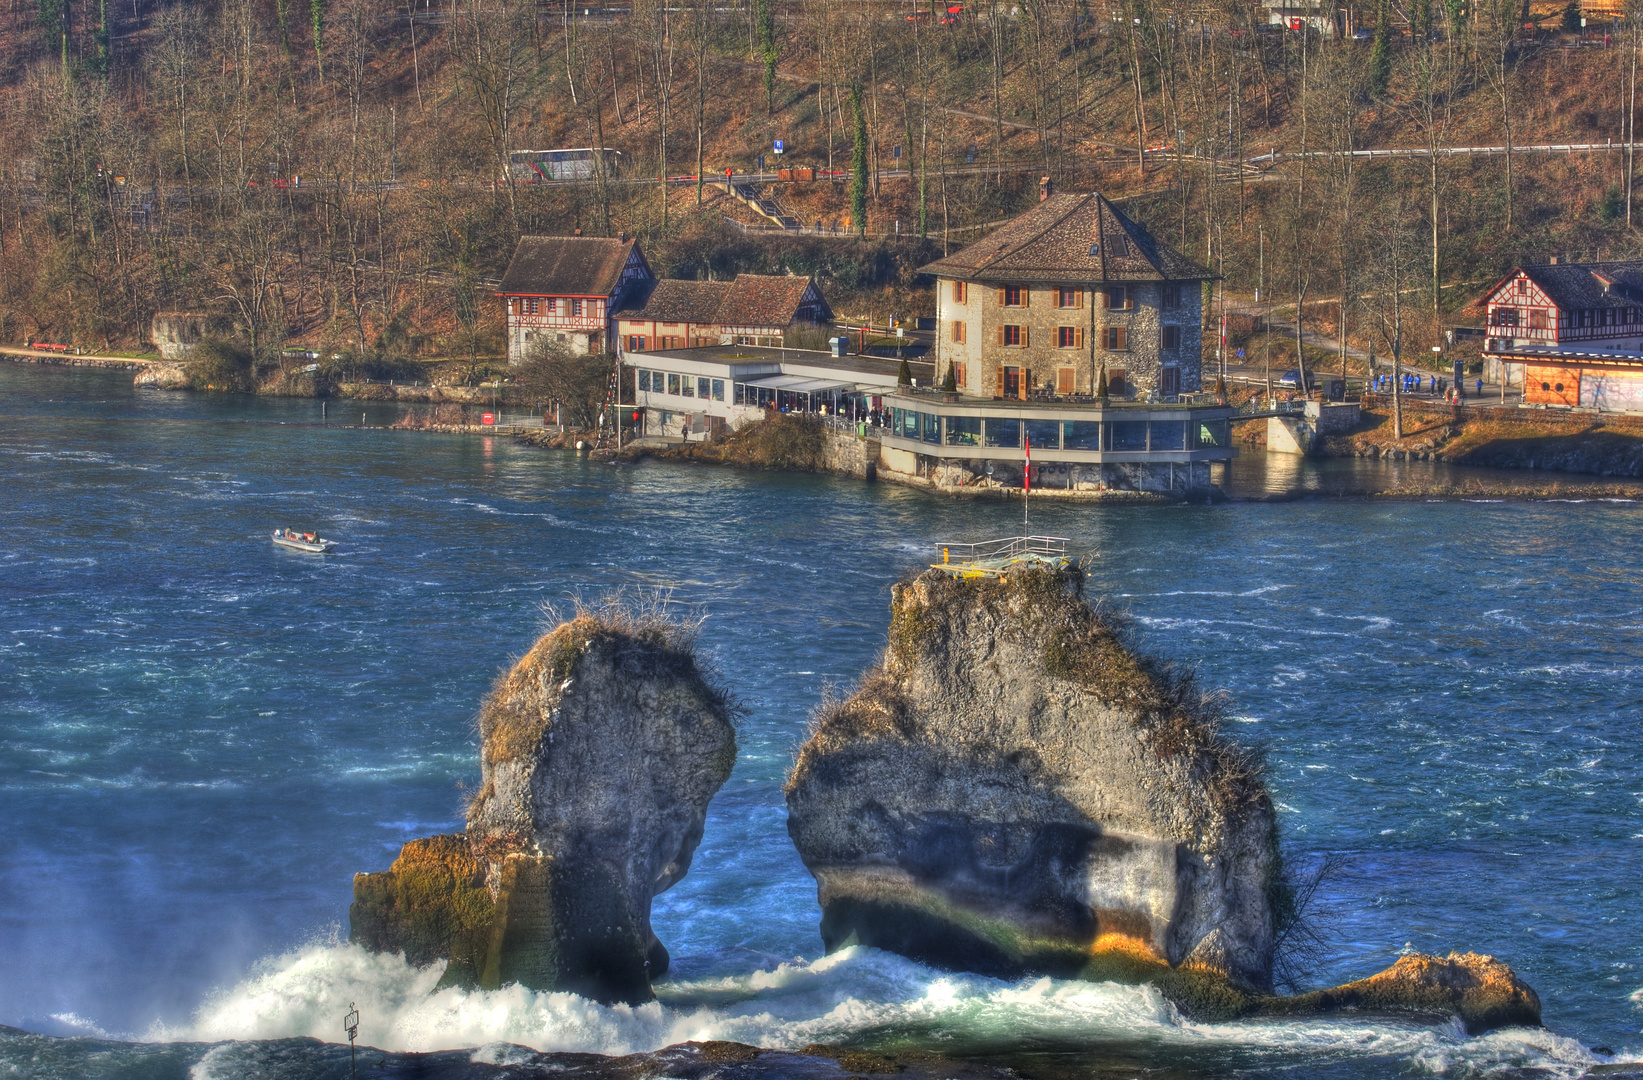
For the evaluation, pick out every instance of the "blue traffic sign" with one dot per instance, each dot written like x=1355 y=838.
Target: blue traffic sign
x=780 y=146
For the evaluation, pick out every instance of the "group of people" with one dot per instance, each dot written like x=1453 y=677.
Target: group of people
x=1431 y=384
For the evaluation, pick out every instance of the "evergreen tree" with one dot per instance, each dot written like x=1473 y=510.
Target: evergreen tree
x=316 y=12
x=1380 y=55
x=1101 y=385
x=904 y=374
x=858 y=163
x=1571 y=17
x=950 y=383
x=766 y=13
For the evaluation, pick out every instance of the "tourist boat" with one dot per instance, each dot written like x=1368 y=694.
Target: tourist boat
x=301 y=541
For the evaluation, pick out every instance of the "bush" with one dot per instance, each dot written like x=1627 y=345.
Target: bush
x=217 y=364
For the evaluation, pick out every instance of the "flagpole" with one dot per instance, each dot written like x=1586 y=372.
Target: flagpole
x=1026 y=477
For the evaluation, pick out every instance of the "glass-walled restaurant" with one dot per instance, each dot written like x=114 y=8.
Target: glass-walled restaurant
x=1074 y=433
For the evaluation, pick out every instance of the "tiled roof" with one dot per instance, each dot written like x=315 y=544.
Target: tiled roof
x=670 y=300
x=566 y=266
x=1587 y=285
x=750 y=300
x=1070 y=238
x=763 y=300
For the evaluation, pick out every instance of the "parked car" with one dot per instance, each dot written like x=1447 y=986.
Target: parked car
x=1291 y=379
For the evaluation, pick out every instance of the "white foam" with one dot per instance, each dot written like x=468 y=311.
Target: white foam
x=853 y=994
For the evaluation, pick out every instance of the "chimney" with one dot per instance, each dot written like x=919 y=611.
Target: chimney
x=622 y=237
x=1043 y=188
x=1554 y=260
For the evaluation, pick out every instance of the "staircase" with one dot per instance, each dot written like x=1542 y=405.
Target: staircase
x=770 y=208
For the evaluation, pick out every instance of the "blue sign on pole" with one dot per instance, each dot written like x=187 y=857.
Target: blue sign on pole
x=780 y=146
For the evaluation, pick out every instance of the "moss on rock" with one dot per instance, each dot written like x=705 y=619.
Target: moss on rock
x=431 y=904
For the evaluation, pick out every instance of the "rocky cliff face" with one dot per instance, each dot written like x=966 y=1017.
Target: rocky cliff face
x=600 y=751
x=1014 y=791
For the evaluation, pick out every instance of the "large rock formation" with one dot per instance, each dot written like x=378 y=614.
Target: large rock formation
x=600 y=752
x=1015 y=791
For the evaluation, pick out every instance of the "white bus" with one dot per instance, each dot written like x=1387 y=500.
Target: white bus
x=574 y=164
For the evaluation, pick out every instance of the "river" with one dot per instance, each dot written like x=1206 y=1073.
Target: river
x=202 y=737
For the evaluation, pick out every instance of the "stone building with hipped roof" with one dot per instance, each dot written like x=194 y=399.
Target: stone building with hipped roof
x=1041 y=305
x=565 y=288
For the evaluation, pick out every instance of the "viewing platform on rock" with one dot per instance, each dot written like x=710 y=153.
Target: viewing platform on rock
x=995 y=558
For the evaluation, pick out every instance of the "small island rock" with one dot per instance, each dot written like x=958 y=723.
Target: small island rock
x=600 y=752
x=1014 y=790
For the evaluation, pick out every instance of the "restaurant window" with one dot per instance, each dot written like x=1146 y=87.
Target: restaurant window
x=964 y=431
x=673 y=384
x=1213 y=433
x=1012 y=335
x=909 y=424
x=1169 y=337
x=1169 y=434
x=931 y=428
x=958 y=333
x=1045 y=434
x=1002 y=432
x=1069 y=297
x=1080 y=435
x=1064 y=380
x=1117 y=339
x=1129 y=435
x=718 y=389
x=1069 y=337
x=961 y=292
x=687 y=386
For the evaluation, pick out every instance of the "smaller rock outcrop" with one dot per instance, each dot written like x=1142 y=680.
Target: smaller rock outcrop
x=162 y=376
x=1481 y=991
x=600 y=751
x=432 y=904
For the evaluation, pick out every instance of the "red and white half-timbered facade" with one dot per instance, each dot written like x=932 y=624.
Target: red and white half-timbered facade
x=564 y=289
x=1572 y=331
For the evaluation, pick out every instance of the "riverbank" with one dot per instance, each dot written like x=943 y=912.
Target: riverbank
x=1495 y=438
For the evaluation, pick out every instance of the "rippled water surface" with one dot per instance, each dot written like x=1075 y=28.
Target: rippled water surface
x=203 y=737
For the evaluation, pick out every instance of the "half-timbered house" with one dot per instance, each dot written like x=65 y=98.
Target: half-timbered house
x=1572 y=331
x=754 y=309
x=565 y=288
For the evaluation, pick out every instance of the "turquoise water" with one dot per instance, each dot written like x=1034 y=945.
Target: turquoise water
x=203 y=737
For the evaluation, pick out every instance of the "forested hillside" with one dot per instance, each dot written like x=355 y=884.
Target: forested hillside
x=150 y=154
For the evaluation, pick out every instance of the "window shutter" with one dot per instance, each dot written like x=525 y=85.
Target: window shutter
x=1000 y=392
x=1024 y=341
x=1026 y=297
x=1078 y=339
x=1001 y=333
x=1121 y=334
x=1078 y=298
x=1001 y=297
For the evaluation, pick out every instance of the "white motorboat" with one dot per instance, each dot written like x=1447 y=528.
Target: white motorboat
x=302 y=541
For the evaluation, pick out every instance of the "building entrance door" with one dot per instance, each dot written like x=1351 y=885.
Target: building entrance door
x=1012 y=382
x=1169 y=382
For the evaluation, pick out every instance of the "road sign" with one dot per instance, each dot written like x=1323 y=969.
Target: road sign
x=780 y=146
